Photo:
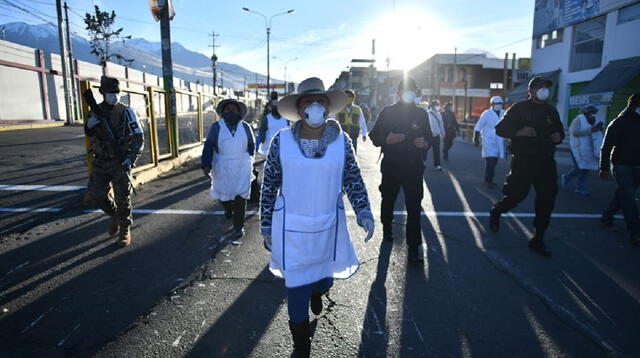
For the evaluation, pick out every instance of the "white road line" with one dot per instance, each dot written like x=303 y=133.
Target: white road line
x=37 y=320
x=41 y=187
x=476 y=214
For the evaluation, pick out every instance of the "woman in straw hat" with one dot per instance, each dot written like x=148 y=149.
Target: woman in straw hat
x=309 y=167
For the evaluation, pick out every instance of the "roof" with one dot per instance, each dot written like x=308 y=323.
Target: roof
x=469 y=59
x=521 y=92
x=614 y=75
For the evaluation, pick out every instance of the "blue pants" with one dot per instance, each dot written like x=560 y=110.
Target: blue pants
x=490 y=169
x=628 y=179
x=298 y=298
x=582 y=175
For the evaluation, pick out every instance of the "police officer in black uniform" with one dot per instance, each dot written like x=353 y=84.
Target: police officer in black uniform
x=535 y=130
x=402 y=131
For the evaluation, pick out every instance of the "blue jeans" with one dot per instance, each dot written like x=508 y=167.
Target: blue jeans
x=490 y=169
x=628 y=179
x=298 y=298
x=582 y=175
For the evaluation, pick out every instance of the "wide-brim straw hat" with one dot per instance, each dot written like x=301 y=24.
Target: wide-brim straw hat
x=224 y=102
x=287 y=106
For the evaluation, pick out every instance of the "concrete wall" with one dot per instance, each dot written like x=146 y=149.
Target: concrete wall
x=620 y=41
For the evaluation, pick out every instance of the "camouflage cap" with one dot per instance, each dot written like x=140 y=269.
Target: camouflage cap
x=109 y=84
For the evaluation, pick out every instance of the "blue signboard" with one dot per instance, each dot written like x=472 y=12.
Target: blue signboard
x=554 y=14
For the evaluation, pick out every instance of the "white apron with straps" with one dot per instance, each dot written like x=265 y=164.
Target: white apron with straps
x=586 y=149
x=492 y=144
x=231 y=167
x=310 y=240
x=273 y=126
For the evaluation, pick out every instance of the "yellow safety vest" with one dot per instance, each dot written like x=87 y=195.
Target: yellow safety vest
x=351 y=118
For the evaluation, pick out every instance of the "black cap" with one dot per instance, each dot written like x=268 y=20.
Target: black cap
x=539 y=81
x=407 y=84
x=109 y=84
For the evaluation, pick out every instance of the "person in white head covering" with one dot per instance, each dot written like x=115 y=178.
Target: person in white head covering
x=303 y=221
x=492 y=144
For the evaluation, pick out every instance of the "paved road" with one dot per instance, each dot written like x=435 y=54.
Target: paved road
x=183 y=289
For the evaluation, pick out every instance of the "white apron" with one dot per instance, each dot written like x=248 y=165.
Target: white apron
x=310 y=240
x=586 y=149
x=492 y=144
x=273 y=126
x=231 y=167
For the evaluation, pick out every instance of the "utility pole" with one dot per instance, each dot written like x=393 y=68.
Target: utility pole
x=63 y=61
x=221 y=79
x=455 y=75
x=214 y=58
x=504 y=74
x=513 y=71
x=72 y=70
x=167 y=76
x=256 y=73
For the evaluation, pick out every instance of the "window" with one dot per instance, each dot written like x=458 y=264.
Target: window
x=629 y=13
x=550 y=38
x=495 y=85
x=588 y=41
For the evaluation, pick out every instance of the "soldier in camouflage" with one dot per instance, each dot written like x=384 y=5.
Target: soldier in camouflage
x=108 y=166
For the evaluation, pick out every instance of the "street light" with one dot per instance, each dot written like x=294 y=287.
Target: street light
x=268 y=26
x=285 y=72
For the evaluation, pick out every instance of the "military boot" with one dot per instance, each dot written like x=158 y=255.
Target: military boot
x=114 y=226
x=125 y=237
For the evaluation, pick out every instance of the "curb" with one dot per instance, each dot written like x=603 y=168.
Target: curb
x=18 y=127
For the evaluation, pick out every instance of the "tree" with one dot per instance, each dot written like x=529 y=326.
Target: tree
x=100 y=28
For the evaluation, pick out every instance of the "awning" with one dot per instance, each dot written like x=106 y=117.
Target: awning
x=613 y=76
x=521 y=92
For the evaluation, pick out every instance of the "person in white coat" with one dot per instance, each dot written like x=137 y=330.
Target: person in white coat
x=492 y=144
x=227 y=158
x=271 y=123
x=302 y=213
x=586 y=140
x=437 y=130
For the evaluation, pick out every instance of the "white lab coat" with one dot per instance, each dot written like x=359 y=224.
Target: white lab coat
x=585 y=145
x=492 y=144
x=310 y=240
x=231 y=166
x=436 y=123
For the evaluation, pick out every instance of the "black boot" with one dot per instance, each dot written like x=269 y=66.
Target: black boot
x=494 y=220
x=536 y=244
x=316 y=302
x=301 y=333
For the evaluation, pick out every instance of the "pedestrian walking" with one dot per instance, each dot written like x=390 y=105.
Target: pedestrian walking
x=606 y=219
x=586 y=140
x=227 y=159
x=270 y=124
x=303 y=221
x=437 y=130
x=116 y=142
x=450 y=129
x=492 y=145
x=352 y=120
x=402 y=132
x=620 y=150
x=535 y=130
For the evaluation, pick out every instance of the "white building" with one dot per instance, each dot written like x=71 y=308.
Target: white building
x=592 y=47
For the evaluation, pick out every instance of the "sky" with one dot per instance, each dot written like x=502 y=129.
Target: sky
x=320 y=37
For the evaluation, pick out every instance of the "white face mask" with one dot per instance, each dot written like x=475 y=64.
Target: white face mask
x=112 y=98
x=497 y=106
x=542 y=93
x=315 y=114
x=408 y=97
x=437 y=108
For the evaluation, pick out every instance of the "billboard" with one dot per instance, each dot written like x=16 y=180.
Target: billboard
x=554 y=14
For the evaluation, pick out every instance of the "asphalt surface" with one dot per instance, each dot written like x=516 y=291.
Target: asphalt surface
x=184 y=289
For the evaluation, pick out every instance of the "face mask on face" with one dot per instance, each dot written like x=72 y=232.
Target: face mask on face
x=112 y=98
x=315 y=114
x=497 y=106
x=542 y=93
x=437 y=108
x=232 y=117
x=408 y=96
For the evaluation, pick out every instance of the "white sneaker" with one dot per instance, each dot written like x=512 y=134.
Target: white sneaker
x=438 y=168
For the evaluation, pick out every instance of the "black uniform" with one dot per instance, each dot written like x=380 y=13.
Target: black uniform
x=403 y=163
x=533 y=162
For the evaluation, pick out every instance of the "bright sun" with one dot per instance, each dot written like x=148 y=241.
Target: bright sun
x=408 y=37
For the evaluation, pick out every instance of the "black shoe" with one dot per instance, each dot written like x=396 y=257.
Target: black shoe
x=237 y=233
x=316 y=303
x=301 y=333
x=538 y=246
x=494 y=220
x=415 y=254
x=607 y=223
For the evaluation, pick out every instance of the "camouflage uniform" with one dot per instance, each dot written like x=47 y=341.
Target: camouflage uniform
x=107 y=167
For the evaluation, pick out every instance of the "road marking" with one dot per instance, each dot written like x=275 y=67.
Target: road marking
x=41 y=187
x=37 y=320
x=68 y=335
x=476 y=214
x=18 y=267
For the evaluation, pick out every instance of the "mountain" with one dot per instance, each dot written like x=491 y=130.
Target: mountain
x=189 y=65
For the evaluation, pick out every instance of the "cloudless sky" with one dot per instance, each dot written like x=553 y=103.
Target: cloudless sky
x=324 y=35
